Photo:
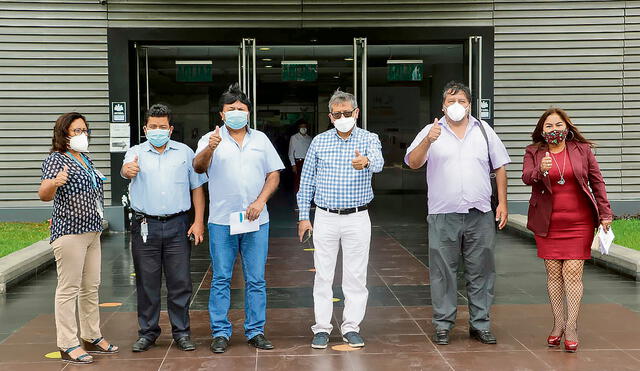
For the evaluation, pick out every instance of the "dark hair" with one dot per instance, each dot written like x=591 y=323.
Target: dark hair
x=60 y=140
x=158 y=110
x=575 y=134
x=454 y=87
x=232 y=95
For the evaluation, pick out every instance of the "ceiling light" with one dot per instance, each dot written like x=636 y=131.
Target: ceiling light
x=267 y=59
x=264 y=49
x=348 y=59
x=269 y=66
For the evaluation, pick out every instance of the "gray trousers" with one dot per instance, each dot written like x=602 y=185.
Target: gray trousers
x=471 y=235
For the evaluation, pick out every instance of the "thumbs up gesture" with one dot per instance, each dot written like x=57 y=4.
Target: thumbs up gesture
x=131 y=169
x=359 y=162
x=546 y=163
x=434 y=132
x=62 y=177
x=215 y=138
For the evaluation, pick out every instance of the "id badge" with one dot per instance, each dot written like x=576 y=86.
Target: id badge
x=144 y=230
x=100 y=209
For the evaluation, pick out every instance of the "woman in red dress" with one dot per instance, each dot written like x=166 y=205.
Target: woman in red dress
x=568 y=201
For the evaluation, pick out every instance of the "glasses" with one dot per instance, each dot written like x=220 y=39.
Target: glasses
x=337 y=115
x=81 y=131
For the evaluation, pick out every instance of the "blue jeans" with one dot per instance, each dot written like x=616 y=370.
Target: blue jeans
x=224 y=248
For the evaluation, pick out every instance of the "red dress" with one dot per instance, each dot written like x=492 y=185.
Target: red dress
x=572 y=227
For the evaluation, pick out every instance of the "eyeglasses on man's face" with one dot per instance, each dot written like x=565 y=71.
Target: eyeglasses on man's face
x=337 y=115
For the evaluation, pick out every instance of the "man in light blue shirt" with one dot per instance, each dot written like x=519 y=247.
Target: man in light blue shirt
x=163 y=183
x=244 y=171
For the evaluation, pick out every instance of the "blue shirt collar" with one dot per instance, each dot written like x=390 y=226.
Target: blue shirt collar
x=170 y=145
x=355 y=133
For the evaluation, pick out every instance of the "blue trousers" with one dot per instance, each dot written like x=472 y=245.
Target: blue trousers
x=253 y=248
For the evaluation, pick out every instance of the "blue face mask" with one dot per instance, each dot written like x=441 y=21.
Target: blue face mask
x=158 y=137
x=236 y=119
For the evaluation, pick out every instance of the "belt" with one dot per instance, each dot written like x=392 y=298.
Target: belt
x=346 y=211
x=139 y=216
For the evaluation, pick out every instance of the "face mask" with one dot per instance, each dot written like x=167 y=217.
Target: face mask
x=79 y=143
x=303 y=131
x=555 y=136
x=456 y=112
x=344 y=124
x=158 y=137
x=236 y=119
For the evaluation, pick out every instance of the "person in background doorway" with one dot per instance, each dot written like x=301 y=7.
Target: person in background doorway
x=458 y=150
x=163 y=184
x=298 y=147
x=568 y=201
x=337 y=175
x=244 y=171
x=70 y=179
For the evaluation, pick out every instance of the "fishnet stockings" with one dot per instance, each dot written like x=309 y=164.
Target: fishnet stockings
x=564 y=284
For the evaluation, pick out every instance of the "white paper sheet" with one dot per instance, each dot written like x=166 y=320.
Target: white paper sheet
x=606 y=239
x=240 y=224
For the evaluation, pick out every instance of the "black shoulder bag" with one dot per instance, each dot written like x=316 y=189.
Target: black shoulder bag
x=492 y=173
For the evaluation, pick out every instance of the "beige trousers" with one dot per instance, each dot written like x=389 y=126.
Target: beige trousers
x=78 y=265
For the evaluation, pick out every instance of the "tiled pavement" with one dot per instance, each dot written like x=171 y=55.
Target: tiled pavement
x=396 y=328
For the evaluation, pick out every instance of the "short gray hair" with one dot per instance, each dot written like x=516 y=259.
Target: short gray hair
x=342 y=97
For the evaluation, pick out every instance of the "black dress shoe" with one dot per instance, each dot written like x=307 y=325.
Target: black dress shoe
x=185 y=344
x=219 y=344
x=483 y=336
x=441 y=337
x=142 y=345
x=261 y=342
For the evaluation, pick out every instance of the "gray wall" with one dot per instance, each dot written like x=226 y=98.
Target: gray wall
x=583 y=56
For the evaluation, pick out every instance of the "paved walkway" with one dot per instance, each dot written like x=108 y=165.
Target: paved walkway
x=397 y=327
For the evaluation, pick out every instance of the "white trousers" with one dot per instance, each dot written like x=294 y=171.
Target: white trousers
x=353 y=232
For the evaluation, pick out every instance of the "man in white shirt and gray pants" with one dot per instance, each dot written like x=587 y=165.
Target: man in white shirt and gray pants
x=298 y=147
x=458 y=150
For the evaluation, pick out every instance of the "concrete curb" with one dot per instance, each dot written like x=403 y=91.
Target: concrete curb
x=26 y=262
x=620 y=259
x=23 y=263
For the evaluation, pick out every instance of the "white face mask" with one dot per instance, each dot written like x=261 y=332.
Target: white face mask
x=344 y=124
x=303 y=131
x=456 y=112
x=79 y=143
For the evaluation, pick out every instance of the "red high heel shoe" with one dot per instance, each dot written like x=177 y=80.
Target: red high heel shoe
x=554 y=341
x=570 y=346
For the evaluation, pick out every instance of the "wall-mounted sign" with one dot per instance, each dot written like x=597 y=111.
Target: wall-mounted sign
x=485 y=109
x=118 y=111
x=299 y=70
x=404 y=70
x=194 y=71
x=119 y=137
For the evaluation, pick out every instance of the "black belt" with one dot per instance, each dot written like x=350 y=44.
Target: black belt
x=346 y=211
x=163 y=218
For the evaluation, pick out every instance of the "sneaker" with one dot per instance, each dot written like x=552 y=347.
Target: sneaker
x=320 y=340
x=353 y=339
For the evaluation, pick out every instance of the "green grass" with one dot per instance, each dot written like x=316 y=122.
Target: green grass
x=17 y=235
x=627 y=233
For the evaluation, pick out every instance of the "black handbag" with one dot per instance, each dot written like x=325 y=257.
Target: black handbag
x=492 y=173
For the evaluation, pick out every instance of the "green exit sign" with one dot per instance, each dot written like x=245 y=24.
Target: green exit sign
x=194 y=71
x=404 y=70
x=299 y=70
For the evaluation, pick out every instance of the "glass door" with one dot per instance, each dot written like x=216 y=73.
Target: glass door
x=247 y=75
x=360 y=77
x=475 y=78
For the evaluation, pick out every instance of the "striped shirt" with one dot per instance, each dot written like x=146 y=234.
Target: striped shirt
x=328 y=177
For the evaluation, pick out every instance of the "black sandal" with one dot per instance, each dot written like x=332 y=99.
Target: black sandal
x=93 y=347
x=83 y=359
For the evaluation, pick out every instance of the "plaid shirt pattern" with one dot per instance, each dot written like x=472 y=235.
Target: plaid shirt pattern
x=328 y=177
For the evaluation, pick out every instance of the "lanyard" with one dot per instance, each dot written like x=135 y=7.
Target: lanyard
x=88 y=169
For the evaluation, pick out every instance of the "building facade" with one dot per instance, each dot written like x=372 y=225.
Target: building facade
x=110 y=59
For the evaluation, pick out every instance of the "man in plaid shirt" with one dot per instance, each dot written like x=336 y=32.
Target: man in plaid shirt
x=337 y=175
